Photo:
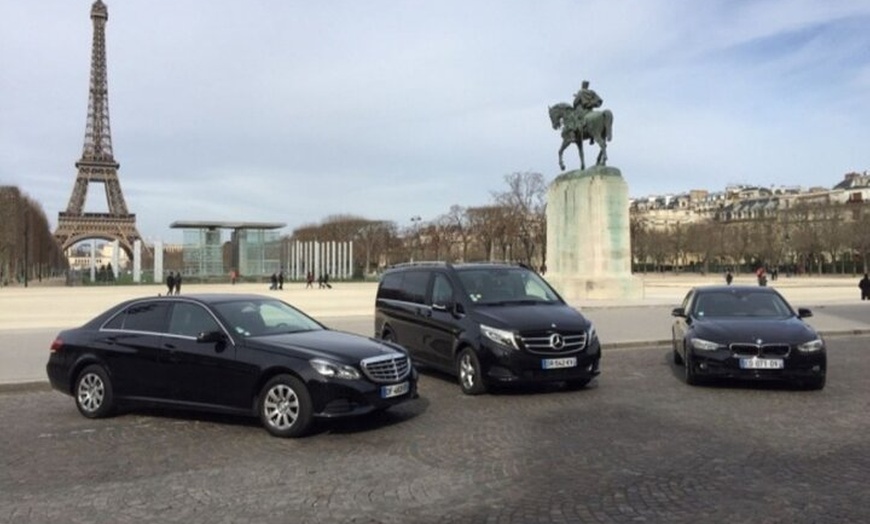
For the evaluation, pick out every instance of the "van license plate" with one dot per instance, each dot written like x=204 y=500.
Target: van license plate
x=395 y=390
x=557 y=363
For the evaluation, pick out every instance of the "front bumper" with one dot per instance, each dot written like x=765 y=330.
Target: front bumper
x=725 y=364
x=506 y=365
x=335 y=398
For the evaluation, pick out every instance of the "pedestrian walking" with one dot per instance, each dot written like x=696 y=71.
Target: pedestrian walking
x=281 y=280
x=864 y=284
x=326 y=280
x=273 y=281
x=309 y=279
x=170 y=283
x=729 y=277
x=762 y=276
x=178 y=283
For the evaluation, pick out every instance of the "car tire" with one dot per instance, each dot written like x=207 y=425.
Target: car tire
x=690 y=374
x=285 y=407
x=94 y=394
x=469 y=373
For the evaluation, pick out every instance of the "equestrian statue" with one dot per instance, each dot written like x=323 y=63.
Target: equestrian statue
x=582 y=121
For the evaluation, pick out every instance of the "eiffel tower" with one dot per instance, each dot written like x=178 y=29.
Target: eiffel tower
x=97 y=163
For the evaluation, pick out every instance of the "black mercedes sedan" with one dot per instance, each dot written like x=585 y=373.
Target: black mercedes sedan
x=746 y=332
x=229 y=353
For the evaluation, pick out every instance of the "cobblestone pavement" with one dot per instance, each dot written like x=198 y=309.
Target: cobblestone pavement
x=638 y=445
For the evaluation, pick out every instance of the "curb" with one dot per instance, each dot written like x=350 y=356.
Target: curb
x=25 y=387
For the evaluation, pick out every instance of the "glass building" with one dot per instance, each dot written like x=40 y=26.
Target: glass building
x=255 y=248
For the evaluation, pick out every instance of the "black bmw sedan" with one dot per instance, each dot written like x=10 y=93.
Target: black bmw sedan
x=746 y=332
x=230 y=353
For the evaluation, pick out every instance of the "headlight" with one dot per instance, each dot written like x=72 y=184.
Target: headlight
x=592 y=333
x=812 y=345
x=704 y=345
x=500 y=336
x=334 y=369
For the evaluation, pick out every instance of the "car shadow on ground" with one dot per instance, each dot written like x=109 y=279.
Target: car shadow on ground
x=678 y=371
x=374 y=421
x=542 y=388
x=345 y=425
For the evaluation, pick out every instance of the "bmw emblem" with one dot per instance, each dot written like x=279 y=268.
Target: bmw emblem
x=556 y=341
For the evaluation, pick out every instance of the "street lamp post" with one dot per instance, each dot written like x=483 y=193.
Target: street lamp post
x=415 y=225
x=26 y=244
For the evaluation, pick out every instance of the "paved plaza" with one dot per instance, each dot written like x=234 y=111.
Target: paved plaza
x=637 y=445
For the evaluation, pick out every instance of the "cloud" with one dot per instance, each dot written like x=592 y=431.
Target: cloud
x=291 y=111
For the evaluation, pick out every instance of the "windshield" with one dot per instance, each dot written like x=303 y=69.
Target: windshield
x=251 y=318
x=496 y=286
x=740 y=304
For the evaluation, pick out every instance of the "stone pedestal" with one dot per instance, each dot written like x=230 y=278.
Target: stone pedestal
x=588 y=239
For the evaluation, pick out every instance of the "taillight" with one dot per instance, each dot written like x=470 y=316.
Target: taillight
x=57 y=345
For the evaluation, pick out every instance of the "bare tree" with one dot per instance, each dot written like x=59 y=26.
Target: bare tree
x=640 y=242
x=859 y=234
x=459 y=221
x=28 y=250
x=526 y=197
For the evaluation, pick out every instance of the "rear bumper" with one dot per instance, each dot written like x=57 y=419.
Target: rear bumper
x=58 y=375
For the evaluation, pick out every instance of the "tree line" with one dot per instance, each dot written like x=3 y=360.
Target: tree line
x=28 y=250
x=806 y=238
x=510 y=227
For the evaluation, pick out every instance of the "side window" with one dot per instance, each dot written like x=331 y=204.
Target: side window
x=391 y=286
x=148 y=316
x=116 y=322
x=191 y=320
x=442 y=291
x=687 y=302
x=415 y=285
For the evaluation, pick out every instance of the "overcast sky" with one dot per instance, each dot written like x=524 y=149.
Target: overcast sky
x=288 y=111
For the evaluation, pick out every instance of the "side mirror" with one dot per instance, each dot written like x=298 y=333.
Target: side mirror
x=804 y=312
x=678 y=312
x=211 y=337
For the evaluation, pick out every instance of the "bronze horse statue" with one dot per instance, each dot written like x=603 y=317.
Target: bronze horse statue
x=597 y=126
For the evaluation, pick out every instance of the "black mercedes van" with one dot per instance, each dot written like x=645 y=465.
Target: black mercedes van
x=486 y=323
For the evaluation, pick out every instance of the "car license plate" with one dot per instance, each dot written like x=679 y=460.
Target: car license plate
x=761 y=363
x=395 y=390
x=557 y=363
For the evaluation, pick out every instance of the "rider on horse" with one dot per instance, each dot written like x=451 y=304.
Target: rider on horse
x=585 y=101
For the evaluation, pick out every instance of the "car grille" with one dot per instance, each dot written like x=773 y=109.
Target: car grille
x=760 y=350
x=386 y=368
x=542 y=343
